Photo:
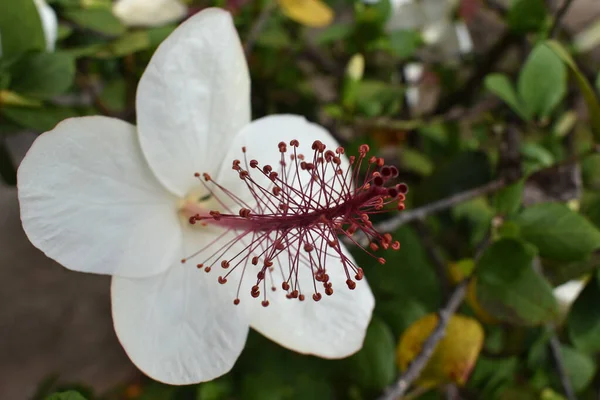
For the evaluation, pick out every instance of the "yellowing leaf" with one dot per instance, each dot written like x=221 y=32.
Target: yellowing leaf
x=454 y=356
x=312 y=13
x=474 y=304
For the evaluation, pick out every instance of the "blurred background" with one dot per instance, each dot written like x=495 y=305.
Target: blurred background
x=489 y=109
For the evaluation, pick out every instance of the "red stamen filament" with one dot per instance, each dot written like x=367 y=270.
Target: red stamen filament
x=303 y=208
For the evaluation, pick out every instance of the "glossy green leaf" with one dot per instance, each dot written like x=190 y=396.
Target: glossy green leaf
x=372 y=368
x=508 y=200
x=591 y=100
x=509 y=289
x=20 y=27
x=542 y=82
x=558 y=232
x=43 y=75
x=99 y=20
x=404 y=43
x=580 y=367
x=527 y=16
x=69 y=395
x=583 y=321
x=501 y=86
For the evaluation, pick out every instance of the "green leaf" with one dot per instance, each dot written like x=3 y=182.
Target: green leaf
x=542 y=82
x=99 y=20
x=500 y=85
x=43 y=75
x=127 y=44
x=526 y=16
x=69 y=395
x=508 y=287
x=558 y=232
x=583 y=321
x=38 y=119
x=580 y=368
x=416 y=161
x=404 y=43
x=372 y=367
x=508 y=200
x=20 y=28
x=591 y=100
x=334 y=33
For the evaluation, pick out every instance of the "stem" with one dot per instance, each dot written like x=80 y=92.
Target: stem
x=554 y=345
x=258 y=26
x=399 y=388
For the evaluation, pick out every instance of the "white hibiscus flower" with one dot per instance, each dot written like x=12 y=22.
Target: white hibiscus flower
x=102 y=196
x=149 y=12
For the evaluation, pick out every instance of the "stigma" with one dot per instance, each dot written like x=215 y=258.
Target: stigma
x=292 y=218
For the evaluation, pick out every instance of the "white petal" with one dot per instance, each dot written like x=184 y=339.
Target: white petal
x=149 y=12
x=180 y=327
x=261 y=139
x=192 y=100
x=49 y=23
x=333 y=327
x=89 y=201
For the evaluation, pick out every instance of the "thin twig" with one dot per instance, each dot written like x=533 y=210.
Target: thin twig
x=554 y=345
x=415 y=368
x=420 y=213
x=558 y=16
x=258 y=26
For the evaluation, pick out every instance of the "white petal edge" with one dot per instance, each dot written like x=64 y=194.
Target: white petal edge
x=180 y=327
x=149 y=12
x=334 y=327
x=192 y=99
x=89 y=201
x=261 y=138
x=49 y=23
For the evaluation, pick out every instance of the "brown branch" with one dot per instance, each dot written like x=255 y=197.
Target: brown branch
x=432 y=208
x=554 y=345
x=560 y=13
x=416 y=367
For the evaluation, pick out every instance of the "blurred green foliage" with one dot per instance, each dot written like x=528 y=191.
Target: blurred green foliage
x=541 y=229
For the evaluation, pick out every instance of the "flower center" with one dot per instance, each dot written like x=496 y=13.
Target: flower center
x=293 y=217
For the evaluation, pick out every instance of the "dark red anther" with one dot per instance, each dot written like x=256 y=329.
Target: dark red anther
x=199 y=266
x=254 y=260
x=378 y=181
x=294 y=143
x=363 y=149
x=197 y=174
x=236 y=301
x=222 y=280
x=294 y=294
x=253 y=163
x=236 y=165
x=372 y=160
x=285 y=286
x=268 y=263
x=328 y=291
x=265 y=303
x=244 y=213
x=225 y=264
x=381 y=260
x=308 y=247
x=279 y=245
x=267 y=169
x=351 y=284
x=359 y=274
x=276 y=190
x=402 y=188
x=206 y=177
x=396 y=245
x=207 y=269
x=339 y=150
x=373 y=246
x=317 y=296
x=386 y=172
x=273 y=176
x=282 y=147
